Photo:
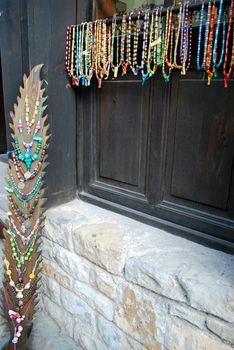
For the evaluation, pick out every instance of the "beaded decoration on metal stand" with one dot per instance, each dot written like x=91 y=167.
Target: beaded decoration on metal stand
x=25 y=189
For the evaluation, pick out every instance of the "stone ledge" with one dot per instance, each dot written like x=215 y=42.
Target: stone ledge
x=154 y=259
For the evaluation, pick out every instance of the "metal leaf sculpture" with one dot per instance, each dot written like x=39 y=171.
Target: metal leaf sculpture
x=25 y=187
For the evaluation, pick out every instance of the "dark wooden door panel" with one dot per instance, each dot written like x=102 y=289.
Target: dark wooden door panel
x=122 y=128
x=204 y=143
x=164 y=153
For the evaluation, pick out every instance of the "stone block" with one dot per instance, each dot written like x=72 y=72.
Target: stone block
x=103 y=281
x=63 y=318
x=180 y=335
x=52 y=270
x=187 y=313
x=187 y=274
x=83 y=314
x=47 y=335
x=221 y=328
x=55 y=234
x=113 y=338
x=51 y=288
x=71 y=263
x=96 y=300
x=89 y=342
x=135 y=315
x=102 y=244
x=61 y=223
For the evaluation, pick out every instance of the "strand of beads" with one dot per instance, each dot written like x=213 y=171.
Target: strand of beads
x=25 y=239
x=28 y=158
x=108 y=65
x=122 y=45
x=208 y=62
x=228 y=73
x=13 y=184
x=217 y=65
x=199 y=66
x=113 y=34
x=24 y=197
x=135 y=67
x=19 y=290
x=166 y=76
x=17 y=254
x=206 y=35
x=128 y=43
x=117 y=56
x=68 y=50
x=150 y=59
x=145 y=47
x=22 y=217
x=214 y=55
x=160 y=40
x=177 y=37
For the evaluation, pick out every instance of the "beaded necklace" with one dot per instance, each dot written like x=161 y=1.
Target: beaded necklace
x=217 y=65
x=24 y=239
x=23 y=197
x=209 y=71
x=22 y=217
x=185 y=39
x=177 y=37
x=17 y=319
x=135 y=67
x=27 y=175
x=30 y=123
x=99 y=69
x=27 y=158
x=206 y=34
x=113 y=35
x=117 y=57
x=214 y=58
x=68 y=50
x=108 y=65
x=151 y=59
x=81 y=55
x=77 y=55
x=156 y=36
x=145 y=47
x=167 y=41
x=20 y=257
x=72 y=50
x=200 y=67
x=19 y=289
x=104 y=49
x=122 y=45
x=128 y=43
x=160 y=40
x=88 y=54
x=225 y=73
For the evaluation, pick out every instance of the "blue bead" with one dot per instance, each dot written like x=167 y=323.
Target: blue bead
x=27 y=155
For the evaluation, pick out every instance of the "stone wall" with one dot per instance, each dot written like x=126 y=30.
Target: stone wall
x=112 y=283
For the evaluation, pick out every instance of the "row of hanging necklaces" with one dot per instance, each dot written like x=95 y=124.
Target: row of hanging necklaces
x=140 y=43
